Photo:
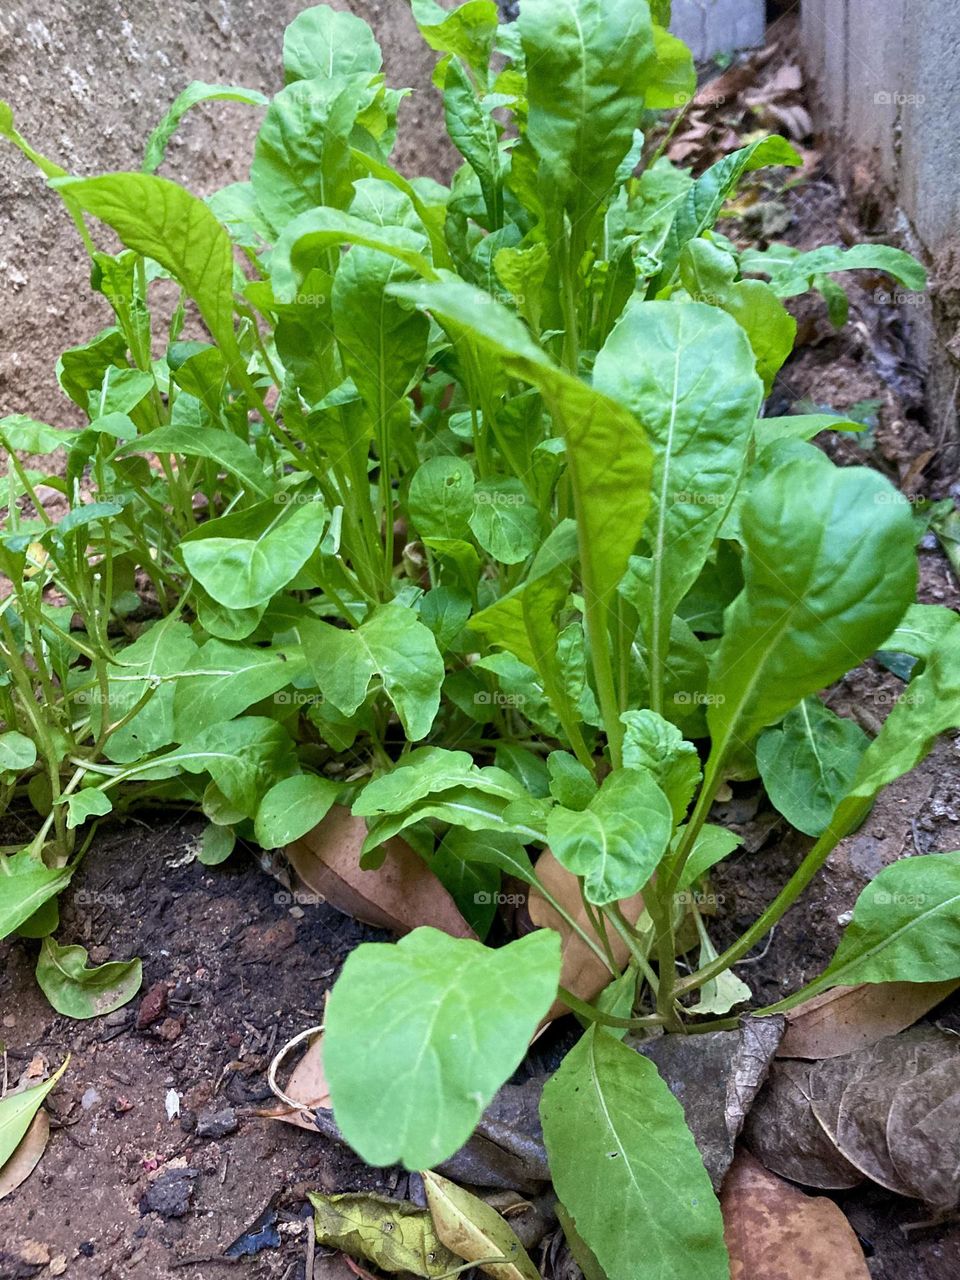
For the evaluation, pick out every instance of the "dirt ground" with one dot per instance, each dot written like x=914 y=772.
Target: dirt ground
x=231 y=968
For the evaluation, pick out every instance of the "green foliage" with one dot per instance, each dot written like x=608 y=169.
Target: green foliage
x=470 y=482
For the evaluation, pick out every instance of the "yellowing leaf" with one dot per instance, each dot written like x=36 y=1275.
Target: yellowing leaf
x=476 y=1232
x=392 y=1234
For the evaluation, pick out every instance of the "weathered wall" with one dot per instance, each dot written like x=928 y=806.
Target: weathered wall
x=719 y=26
x=88 y=80
x=886 y=76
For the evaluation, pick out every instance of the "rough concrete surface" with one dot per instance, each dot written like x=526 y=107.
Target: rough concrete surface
x=886 y=80
x=88 y=80
x=719 y=26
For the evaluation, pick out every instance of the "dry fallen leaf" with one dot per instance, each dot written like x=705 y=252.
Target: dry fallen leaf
x=775 y=1232
x=392 y=1234
x=475 y=1232
x=850 y=1018
x=308 y=1086
x=27 y=1155
x=582 y=971
x=922 y=1125
x=399 y=896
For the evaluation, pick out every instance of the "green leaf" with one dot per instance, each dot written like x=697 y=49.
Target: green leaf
x=420 y=773
x=17 y=752
x=25 y=885
x=654 y=744
x=216 y=845
x=626 y=1167
x=162 y=650
x=195 y=92
x=921 y=629
x=230 y=453
x=473 y=883
x=472 y=130
x=702 y=204
x=302 y=155
x=162 y=221
x=323 y=42
x=504 y=521
x=292 y=807
x=446 y=611
x=244 y=558
x=700 y=428
x=221 y=680
x=500 y=850
x=440 y=500
x=82 y=805
x=673 y=78
x=244 y=757
x=588 y=64
x=452 y=1018
x=392 y=644
x=79 y=992
x=17 y=1111
x=808 y=764
x=468 y=31
x=467 y=807
x=710 y=847
x=20 y=432
x=829 y=568
x=615 y=843
x=792 y=273
x=474 y=1230
x=801 y=426
x=571 y=783
x=709 y=275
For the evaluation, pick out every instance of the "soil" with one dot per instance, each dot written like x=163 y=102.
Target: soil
x=231 y=968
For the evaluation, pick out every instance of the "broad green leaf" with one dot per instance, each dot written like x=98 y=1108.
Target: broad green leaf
x=829 y=568
x=921 y=629
x=302 y=156
x=791 y=272
x=702 y=204
x=162 y=221
x=468 y=31
x=421 y=773
x=79 y=992
x=500 y=850
x=221 y=680
x=615 y=843
x=307 y=241
x=195 y=92
x=446 y=611
x=626 y=1167
x=652 y=743
x=571 y=783
x=588 y=63
x=904 y=926
x=711 y=846
x=801 y=426
x=473 y=883
x=808 y=764
x=504 y=520
x=83 y=805
x=320 y=41
x=451 y=1017
x=470 y=807
x=244 y=757
x=230 y=453
x=25 y=885
x=392 y=644
x=216 y=845
x=244 y=558
x=159 y=653
x=17 y=1111
x=473 y=131
x=17 y=752
x=672 y=80
x=708 y=274
x=700 y=428
x=292 y=807
x=20 y=432
x=440 y=501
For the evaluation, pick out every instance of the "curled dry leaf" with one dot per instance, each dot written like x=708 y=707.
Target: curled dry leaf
x=475 y=1232
x=27 y=1155
x=850 y=1018
x=582 y=971
x=308 y=1086
x=394 y=1235
x=401 y=895
x=773 y=1230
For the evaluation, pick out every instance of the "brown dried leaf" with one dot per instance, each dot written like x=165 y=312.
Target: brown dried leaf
x=861 y=1124
x=773 y=1231
x=399 y=896
x=846 y=1019
x=782 y=1131
x=308 y=1086
x=922 y=1125
x=27 y=1155
x=582 y=972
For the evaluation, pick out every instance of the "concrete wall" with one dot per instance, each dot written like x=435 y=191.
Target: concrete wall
x=886 y=81
x=719 y=26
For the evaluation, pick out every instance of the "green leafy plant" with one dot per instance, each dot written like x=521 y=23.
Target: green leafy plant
x=468 y=490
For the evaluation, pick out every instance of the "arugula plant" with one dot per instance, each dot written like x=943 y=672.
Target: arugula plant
x=466 y=498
